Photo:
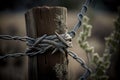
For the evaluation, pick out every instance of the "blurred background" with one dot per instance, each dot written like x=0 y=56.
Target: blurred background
x=102 y=14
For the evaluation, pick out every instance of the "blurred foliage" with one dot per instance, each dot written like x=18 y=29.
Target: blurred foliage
x=101 y=63
x=114 y=39
x=113 y=45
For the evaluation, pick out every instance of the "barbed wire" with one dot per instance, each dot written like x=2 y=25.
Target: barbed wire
x=42 y=44
x=53 y=42
x=9 y=37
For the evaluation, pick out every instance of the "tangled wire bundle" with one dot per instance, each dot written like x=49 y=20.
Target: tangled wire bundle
x=54 y=42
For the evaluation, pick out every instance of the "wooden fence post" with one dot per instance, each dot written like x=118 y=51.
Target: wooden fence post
x=40 y=21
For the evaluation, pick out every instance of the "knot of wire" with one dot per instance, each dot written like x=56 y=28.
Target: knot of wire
x=40 y=45
x=53 y=42
x=57 y=42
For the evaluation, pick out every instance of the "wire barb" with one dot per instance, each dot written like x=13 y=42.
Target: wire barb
x=40 y=45
x=57 y=42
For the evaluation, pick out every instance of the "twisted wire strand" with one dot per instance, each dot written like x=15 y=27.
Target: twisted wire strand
x=43 y=43
x=9 y=37
x=54 y=42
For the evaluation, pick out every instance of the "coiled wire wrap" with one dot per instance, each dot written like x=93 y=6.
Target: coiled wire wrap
x=54 y=42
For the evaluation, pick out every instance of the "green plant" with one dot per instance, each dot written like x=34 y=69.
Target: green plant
x=101 y=63
x=113 y=48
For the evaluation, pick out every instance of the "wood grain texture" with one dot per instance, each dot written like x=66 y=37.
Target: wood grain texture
x=40 y=21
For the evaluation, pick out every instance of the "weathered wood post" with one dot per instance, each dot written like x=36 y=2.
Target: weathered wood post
x=40 y=21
